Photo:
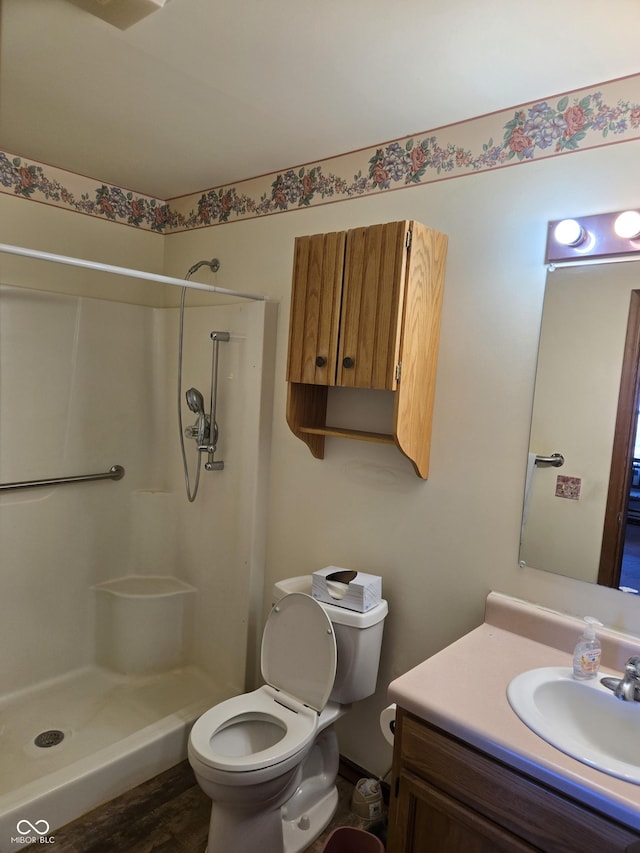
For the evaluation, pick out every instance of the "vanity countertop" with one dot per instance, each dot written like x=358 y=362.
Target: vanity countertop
x=463 y=690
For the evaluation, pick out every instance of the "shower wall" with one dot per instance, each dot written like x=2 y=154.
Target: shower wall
x=74 y=393
x=223 y=533
x=89 y=383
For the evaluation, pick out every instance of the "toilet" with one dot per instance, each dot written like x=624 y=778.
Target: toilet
x=268 y=759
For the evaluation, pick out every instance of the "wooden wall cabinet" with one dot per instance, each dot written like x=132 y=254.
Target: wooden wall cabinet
x=447 y=796
x=365 y=313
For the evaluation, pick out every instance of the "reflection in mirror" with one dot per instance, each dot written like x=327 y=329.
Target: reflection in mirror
x=576 y=413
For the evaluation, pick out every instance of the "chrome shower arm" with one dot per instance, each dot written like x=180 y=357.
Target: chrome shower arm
x=213 y=264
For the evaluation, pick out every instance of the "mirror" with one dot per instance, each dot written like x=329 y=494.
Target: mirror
x=580 y=361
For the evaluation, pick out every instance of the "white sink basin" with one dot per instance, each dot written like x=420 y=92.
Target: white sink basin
x=581 y=718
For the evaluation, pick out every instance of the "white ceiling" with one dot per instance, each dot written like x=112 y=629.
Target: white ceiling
x=207 y=92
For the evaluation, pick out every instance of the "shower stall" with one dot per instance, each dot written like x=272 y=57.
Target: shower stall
x=126 y=610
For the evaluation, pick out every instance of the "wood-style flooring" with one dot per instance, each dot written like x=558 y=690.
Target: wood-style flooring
x=168 y=814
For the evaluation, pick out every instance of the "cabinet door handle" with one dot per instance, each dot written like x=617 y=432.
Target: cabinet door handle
x=348 y=361
x=320 y=361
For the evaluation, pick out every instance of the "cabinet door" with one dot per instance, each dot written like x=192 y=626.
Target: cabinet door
x=478 y=794
x=415 y=394
x=372 y=303
x=315 y=308
x=428 y=821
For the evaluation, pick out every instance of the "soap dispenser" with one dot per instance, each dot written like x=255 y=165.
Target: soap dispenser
x=587 y=653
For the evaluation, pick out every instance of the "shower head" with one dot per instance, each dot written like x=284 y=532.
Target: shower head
x=213 y=264
x=195 y=401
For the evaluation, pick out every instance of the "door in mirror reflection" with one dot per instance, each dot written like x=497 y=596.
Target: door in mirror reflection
x=629 y=579
x=619 y=562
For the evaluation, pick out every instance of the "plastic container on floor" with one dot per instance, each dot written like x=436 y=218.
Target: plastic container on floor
x=366 y=801
x=350 y=839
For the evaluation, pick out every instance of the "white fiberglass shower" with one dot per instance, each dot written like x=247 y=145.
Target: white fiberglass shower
x=86 y=384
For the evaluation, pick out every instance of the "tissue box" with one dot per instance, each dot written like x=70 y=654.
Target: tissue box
x=346 y=588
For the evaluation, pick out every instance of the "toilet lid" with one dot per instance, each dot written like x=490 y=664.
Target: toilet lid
x=299 y=650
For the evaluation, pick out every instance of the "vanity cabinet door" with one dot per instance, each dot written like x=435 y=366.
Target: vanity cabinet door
x=447 y=795
x=427 y=821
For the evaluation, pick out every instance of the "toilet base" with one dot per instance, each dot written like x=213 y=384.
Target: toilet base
x=299 y=834
x=239 y=830
x=295 y=816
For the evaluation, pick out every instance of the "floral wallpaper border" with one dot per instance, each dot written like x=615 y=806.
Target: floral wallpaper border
x=563 y=124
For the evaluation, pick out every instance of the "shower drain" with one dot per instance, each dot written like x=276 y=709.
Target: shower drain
x=49 y=738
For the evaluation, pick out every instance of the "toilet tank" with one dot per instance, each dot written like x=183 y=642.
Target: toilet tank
x=358 y=640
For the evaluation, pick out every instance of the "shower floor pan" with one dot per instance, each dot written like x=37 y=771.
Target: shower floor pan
x=118 y=731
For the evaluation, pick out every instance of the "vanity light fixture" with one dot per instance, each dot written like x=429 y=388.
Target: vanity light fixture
x=569 y=232
x=627 y=225
x=603 y=237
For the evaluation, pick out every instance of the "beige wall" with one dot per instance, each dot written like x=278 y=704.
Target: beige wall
x=51 y=229
x=439 y=545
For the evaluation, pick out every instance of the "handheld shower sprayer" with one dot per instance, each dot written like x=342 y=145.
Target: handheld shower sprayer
x=195 y=401
x=200 y=430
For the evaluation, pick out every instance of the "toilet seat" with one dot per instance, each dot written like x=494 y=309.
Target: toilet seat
x=270 y=725
x=294 y=727
x=299 y=653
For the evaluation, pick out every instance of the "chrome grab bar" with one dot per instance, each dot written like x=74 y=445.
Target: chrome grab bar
x=116 y=472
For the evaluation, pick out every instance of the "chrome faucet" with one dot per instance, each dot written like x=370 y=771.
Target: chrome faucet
x=626 y=688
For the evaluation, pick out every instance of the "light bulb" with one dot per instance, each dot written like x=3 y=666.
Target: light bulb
x=627 y=225
x=569 y=232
